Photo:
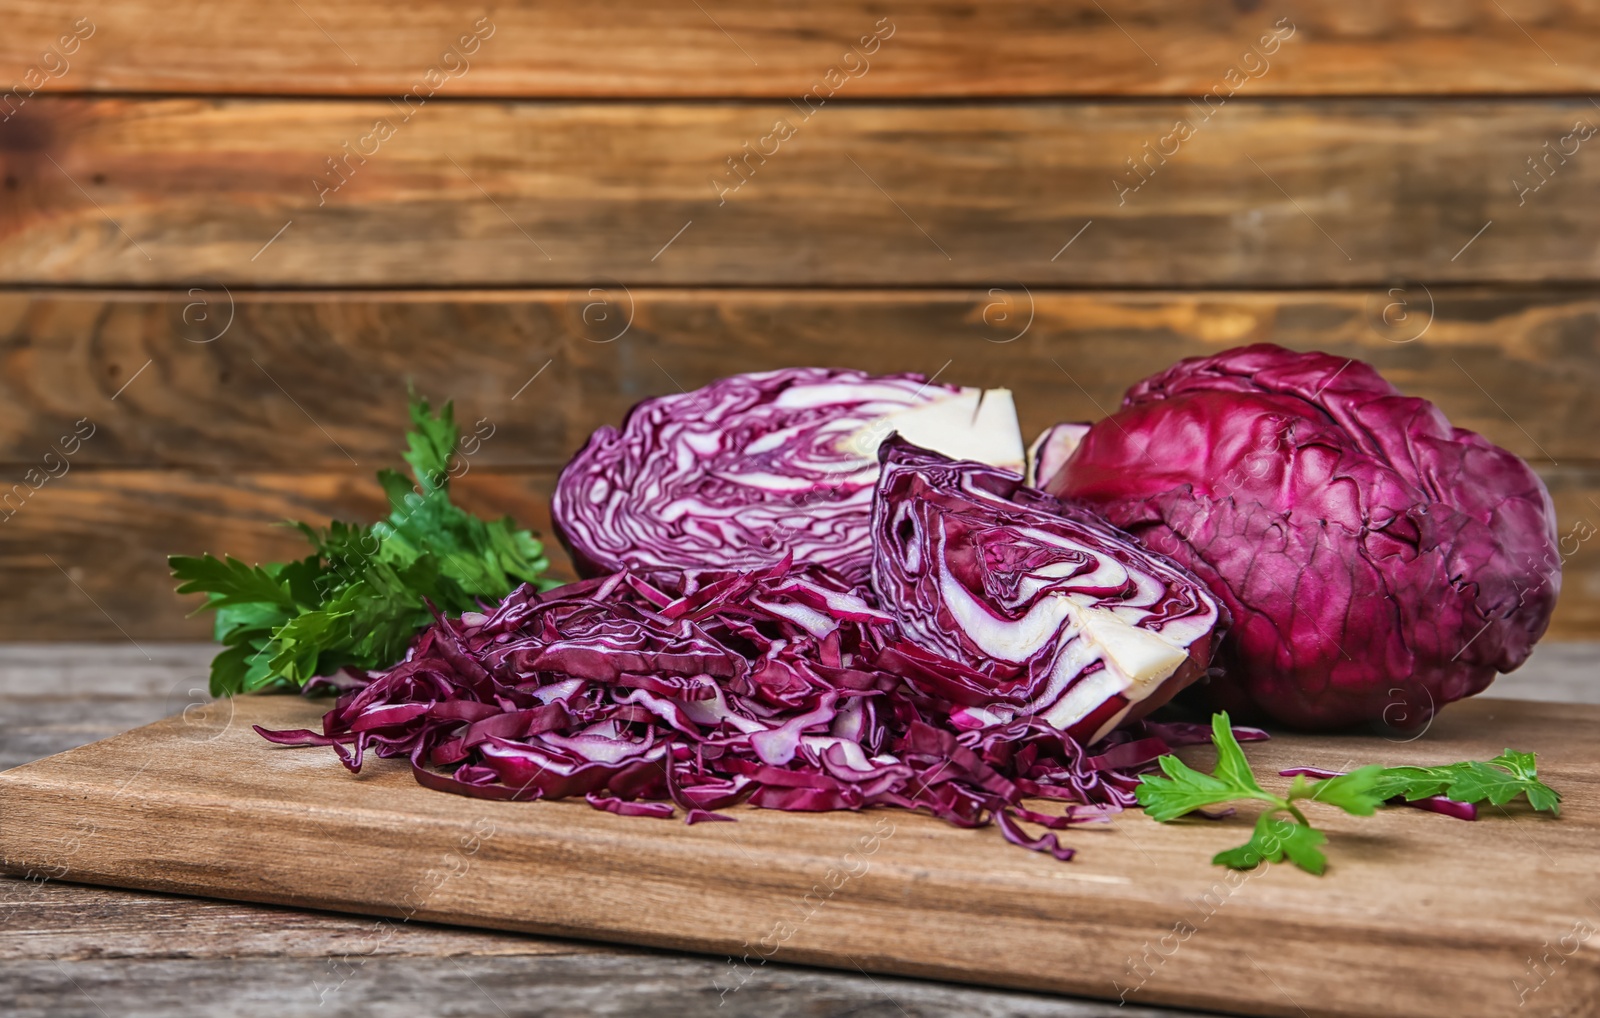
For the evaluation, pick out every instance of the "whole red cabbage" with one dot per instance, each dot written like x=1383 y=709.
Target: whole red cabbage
x=1050 y=612
x=1377 y=562
x=750 y=468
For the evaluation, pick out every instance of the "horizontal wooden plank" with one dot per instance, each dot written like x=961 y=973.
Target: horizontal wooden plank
x=85 y=559
x=45 y=726
x=150 y=952
x=610 y=982
x=318 y=380
x=1402 y=903
x=724 y=48
x=1165 y=193
x=52 y=920
x=90 y=671
x=95 y=542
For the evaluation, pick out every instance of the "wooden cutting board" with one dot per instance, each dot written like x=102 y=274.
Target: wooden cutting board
x=1418 y=914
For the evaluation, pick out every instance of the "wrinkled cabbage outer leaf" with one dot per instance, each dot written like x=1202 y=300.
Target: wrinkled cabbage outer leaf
x=1378 y=562
x=1050 y=611
x=772 y=687
x=734 y=475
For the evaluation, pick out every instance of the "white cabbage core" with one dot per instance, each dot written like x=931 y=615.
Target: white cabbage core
x=970 y=424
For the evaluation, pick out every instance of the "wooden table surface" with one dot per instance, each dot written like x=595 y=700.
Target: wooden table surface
x=70 y=950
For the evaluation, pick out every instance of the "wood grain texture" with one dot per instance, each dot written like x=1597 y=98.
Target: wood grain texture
x=85 y=672
x=202 y=450
x=1406 y=903
x=164 y=956
x=71 y=923
x=1263 y=193
x=46 y=725
x=730 y=48
x=87 y=555
x=66 y=949
x=109 y=533
x=1516 y=364
x=614 y=983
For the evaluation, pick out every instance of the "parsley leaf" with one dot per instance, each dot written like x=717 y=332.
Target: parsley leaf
x=430 y=445
x=1275 y=837
x=1496 y=781
x=363 y=593
x=231 y=582
x=1232 y=767
x=1354 y=792
x=1181 y=789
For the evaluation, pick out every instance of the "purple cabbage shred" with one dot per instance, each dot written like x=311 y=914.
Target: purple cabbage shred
x=777 y=687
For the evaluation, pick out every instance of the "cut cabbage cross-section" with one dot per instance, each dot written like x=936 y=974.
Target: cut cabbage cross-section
x=754 y=467
x=967 y=424
x=1050 y=450
x=1052 y=613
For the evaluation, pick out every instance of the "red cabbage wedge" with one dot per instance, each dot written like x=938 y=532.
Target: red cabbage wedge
x=1050 y=612
x=1378 y=562
x=751 y=468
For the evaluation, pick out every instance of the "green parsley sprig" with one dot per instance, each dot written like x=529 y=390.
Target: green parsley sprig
x=363 y=593
x=1496 y=781
x=1283 y=830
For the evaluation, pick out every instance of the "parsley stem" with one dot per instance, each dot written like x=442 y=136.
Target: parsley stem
x=1267 y=797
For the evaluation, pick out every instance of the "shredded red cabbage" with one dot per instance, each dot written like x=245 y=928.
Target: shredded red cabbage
x=777 y=687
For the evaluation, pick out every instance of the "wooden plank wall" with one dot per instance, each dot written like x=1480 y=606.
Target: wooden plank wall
x=230 y=235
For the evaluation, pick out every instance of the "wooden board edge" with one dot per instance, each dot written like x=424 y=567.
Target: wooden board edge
x=53 y=828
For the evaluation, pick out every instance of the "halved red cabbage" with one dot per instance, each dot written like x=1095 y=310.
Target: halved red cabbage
x=774 y=687
x=751 y=468
x=1050 y=612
